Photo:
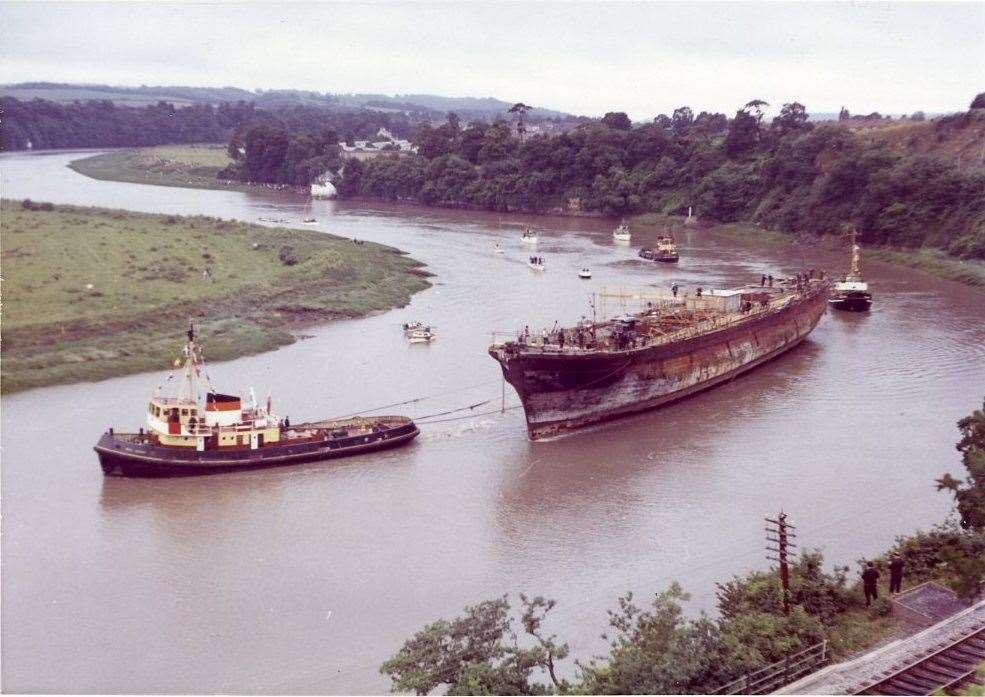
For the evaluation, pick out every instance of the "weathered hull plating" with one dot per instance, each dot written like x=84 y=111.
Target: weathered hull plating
x=565 y=392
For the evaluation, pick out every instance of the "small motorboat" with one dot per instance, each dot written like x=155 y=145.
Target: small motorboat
x=309 y=221
x=852 y=292
x=498 y=250
x=411 y=326
x=529 y=236
x=585 y=273
x=423 y=335
x=537 y=263
x=621 y=233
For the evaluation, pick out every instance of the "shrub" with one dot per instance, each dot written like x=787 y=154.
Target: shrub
x=287 y=255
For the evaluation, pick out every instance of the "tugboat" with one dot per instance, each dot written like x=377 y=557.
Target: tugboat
x=851 y=293
x=529 y=236
x=188 y=435
x=621 y=233
x=665 y=251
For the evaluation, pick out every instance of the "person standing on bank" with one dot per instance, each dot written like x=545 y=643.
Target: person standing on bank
x=869 y=578
x=895 y=573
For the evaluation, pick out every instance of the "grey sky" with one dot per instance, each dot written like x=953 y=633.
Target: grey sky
x=643 y=58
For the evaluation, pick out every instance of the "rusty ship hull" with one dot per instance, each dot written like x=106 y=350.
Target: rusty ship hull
x=565 y=391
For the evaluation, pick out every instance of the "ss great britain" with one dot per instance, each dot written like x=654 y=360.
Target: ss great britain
x=187 y=435
x=677 y=346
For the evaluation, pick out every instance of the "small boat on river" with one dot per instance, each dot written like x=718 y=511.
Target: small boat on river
x=852 y=293
x=498 y=250
x=536 y=263
x=529 y=236
x=585 y=273
x=621 y=233
x=310 y=221
x=188 y=435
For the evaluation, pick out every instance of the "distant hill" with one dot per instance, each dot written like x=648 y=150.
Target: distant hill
x=423 y=105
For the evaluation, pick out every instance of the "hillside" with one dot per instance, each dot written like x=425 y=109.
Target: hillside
x=421 y=104
x=959 y=138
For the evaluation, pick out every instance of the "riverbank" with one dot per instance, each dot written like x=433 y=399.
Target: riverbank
x=92 y=293
x=968 y=272
x=196 y=167
x=184 y=166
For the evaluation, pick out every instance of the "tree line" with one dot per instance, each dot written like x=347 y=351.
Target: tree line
x=42 y=124
x=786 y=173
x=653 y=648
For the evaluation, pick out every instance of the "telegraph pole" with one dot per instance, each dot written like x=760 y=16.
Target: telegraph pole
x=782 y=531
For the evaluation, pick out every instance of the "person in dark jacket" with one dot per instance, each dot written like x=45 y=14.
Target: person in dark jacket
x=869 y=578
x=895 y=573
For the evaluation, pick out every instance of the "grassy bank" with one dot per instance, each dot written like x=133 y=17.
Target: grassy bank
x=90 y=293
x=967 y=271
x=186 y=166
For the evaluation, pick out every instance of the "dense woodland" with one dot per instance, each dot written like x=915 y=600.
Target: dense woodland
x=47 y=124
x=786 y=174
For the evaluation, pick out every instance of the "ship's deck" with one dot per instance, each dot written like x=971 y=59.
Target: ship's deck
x=667 y=322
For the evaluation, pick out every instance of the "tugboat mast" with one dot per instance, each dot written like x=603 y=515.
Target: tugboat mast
x=856 y=270
x=187 y=392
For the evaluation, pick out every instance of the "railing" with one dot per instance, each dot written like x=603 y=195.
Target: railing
x=776 y=675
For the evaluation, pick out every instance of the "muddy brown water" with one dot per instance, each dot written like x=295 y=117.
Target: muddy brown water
x=304 y=579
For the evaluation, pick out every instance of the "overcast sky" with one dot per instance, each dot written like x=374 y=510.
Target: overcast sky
x=586 y=58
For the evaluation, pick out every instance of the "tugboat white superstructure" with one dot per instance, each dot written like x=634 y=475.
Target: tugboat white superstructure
x=189 y=434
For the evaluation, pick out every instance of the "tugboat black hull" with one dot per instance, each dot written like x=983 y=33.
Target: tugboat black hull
x=129 y=455
x=851 y=303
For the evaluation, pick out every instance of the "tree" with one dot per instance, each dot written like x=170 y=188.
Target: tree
x=656 y=650
x=520 y=109
x=682 y=119
x=479 y=653
x=844 y=114
x=969 y=495
x=743 y=134
x=617 y=120
x=663 y=121
x=793 y=117
x=756 y=107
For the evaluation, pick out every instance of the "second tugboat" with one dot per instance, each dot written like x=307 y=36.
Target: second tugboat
x=665 y=251
x=186 y=435
x=852 y=292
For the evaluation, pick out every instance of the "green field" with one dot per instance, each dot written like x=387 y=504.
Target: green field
x=68 y=94
x=187 y=166
x=90 y=293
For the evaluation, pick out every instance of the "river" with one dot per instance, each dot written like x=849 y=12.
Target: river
x=304 y=579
